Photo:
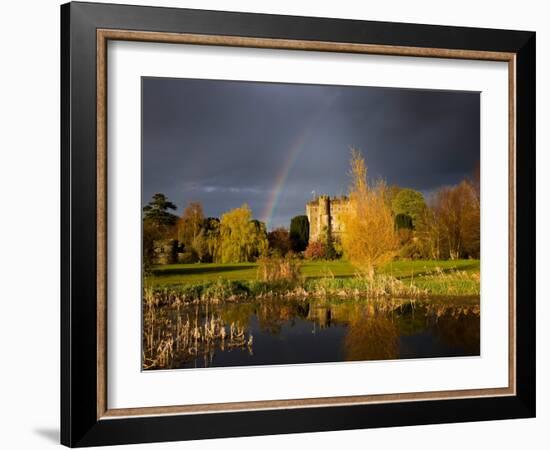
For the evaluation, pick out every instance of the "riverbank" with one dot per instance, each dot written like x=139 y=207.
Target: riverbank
x=174 y=285
x=198 y=273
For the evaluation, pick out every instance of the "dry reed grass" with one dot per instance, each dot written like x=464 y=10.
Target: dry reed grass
x=169 y=337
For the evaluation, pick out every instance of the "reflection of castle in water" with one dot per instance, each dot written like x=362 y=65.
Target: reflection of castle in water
x=325 y=315
x=321 y=316
x=324 y=213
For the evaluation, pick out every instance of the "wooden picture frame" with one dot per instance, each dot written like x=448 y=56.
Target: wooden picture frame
x=86 y=418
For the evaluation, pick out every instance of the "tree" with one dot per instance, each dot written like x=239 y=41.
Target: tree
x=429 y=235
x=328 y=242
x=279 y=241
x=456 y=210
x=475 y=181
x=391 y=192
x=190 y=223
x=410 y=203
x=447 y=209
x=404 y=229
x=157 y=214
x=211 y=230
x=370 y=238
x=299 y=233
x=470 y=219
x=200 y=247
x=403 y=221
x=241 y=238
x=150 y=233
x=471 y=222
x=158 y=223
x=259 y=242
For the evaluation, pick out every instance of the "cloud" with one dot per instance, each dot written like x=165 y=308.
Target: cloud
x=225 y=143
x=193 y=186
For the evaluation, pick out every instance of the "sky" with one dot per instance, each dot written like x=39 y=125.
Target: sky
x=274 y=146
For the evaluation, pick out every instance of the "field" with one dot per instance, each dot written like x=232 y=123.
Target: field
x=431 y=274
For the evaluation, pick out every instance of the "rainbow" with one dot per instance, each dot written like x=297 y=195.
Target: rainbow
x=292 y=155
x=282 y=176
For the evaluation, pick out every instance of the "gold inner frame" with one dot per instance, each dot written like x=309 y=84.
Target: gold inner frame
x=104 y=35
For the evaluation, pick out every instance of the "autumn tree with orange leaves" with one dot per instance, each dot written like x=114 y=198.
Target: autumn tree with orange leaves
x=370 y=238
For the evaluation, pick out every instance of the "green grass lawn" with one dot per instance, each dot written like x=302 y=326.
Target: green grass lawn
x=176 y=274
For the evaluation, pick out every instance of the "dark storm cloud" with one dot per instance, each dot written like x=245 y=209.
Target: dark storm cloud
x=225 y=143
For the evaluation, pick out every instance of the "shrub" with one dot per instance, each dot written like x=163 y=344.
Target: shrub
x=315 y=250
x=279 y=241
x=274 y=268
x=412 y=250
x=221 y=290
x=187 y=257
x=404 y=235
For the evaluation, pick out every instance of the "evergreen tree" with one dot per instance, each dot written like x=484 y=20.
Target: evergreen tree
x=299 y=233
x=157 y=214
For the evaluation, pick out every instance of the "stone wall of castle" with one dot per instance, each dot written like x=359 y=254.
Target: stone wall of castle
x=324 y=213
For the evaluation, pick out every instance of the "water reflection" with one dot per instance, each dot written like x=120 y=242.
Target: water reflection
x=372 y=337
x=289 y=331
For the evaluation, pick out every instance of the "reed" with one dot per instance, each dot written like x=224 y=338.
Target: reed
x=170 y=339
x=275 y=269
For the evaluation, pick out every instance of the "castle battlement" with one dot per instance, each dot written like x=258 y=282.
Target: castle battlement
x=324 y=213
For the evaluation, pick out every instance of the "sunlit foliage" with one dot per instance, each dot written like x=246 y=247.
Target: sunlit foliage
x=370 y=238
x=411 y=203
x=190 y=223
x=241 y=238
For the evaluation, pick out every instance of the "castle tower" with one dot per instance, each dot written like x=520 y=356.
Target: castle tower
x=324 y=213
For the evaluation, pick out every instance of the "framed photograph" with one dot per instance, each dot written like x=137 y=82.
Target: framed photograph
x=276 y=224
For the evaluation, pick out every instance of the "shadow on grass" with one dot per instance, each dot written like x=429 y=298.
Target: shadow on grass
x=199 y=270
x=321 y=276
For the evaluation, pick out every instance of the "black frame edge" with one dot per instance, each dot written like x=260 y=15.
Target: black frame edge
x=79 y=425
x=79 y=236
x=65 y=370
x=525 y=223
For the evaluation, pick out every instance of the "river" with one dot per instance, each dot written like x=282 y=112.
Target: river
x=300 y=331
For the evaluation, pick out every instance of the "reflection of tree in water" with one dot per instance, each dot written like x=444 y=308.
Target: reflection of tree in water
x=374 y=328
x=272 y=314
x=236 y=312
x=371 y=337
x=455 y=325
x=459 y=328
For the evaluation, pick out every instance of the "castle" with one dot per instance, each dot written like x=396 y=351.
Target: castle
x=324 y=213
